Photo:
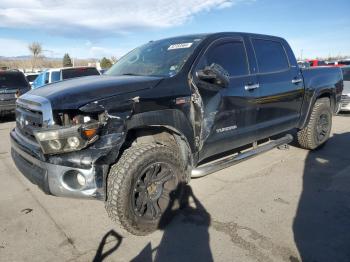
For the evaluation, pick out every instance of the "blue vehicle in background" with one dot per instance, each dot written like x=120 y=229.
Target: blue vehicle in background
x=58 y=74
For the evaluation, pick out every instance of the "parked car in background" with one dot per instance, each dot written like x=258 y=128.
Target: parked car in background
x=12 y=85
x=334 y=63
x=31 y=77
x=344 y=62
x=303 y=64
x=316 y=62
x=345 y=98
x=59 y=74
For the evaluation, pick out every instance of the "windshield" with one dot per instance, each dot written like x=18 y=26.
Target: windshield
x=346 y=74
x=12 y=80
x=31 y=78
x=157 y=58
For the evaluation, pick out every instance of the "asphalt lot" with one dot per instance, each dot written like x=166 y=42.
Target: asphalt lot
x=284 y=205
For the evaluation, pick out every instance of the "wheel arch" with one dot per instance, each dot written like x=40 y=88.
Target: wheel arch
x=318 y=94
x=167 y=127
x=170 y=120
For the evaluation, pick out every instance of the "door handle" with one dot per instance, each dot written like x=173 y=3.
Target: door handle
x=297 y=81
x=251 y=87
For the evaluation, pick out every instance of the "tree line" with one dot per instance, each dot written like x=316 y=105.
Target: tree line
x=38 y=60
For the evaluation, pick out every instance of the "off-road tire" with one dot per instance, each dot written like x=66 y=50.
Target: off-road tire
x=122 y=178
x=308 y=136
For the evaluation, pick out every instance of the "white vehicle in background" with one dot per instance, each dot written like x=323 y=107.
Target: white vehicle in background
x=345 y=98
x=31 y=77
x=303 y=64
x=58 y=74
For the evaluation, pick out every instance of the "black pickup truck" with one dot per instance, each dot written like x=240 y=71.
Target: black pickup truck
x=12 y=85
x=168 y=111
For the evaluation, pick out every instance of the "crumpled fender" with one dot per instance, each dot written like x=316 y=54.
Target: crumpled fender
x=122 y=114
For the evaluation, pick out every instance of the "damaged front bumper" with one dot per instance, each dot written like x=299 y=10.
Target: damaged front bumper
x=56 y=175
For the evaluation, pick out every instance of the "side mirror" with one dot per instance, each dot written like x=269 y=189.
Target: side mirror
x=214 y=74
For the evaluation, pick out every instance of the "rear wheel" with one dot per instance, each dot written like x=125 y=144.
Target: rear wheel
x=141 y=185
x=318 y=127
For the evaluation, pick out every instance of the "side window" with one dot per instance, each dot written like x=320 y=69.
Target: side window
x=55 y=76
x=231 y=56
x=270 y=56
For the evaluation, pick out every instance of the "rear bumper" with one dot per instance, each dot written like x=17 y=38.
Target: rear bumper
x=50 y=177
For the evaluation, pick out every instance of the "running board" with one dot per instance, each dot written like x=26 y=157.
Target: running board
x=225 y=162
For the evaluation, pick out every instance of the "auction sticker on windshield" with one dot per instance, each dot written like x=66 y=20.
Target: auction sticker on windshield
x=179 y=46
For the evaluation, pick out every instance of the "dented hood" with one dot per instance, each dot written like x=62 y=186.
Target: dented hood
x=74 y=93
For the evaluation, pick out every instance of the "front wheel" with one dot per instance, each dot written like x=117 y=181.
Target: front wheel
x=319 y=126
x=141 y=186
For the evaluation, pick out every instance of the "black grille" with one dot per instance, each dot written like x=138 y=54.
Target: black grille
x=28 y=120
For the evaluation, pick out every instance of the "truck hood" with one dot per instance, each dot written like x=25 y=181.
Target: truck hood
x=74 y=93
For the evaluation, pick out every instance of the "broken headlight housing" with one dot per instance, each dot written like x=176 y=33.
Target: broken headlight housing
x=67 y=139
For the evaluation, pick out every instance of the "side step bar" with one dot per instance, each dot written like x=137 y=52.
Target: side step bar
x=225 y=162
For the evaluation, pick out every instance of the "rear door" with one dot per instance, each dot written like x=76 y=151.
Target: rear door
x=229 y=114
x=281 y=88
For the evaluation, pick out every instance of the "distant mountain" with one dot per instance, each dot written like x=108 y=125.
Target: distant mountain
x=22 y=57
x=28 y=57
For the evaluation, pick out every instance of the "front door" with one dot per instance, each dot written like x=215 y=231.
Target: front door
x=229 y=114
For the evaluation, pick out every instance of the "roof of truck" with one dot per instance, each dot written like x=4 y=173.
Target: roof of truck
x=219 y=34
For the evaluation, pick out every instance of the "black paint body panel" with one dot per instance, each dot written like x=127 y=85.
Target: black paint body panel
x=221 y=120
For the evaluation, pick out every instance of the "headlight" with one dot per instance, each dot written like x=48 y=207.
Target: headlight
x=66 y=139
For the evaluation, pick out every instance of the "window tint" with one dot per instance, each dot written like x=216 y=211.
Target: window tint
x=55 y=76
x=231 y=56
x=270 y=56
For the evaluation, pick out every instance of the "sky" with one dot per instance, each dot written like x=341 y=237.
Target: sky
x=97 y=28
